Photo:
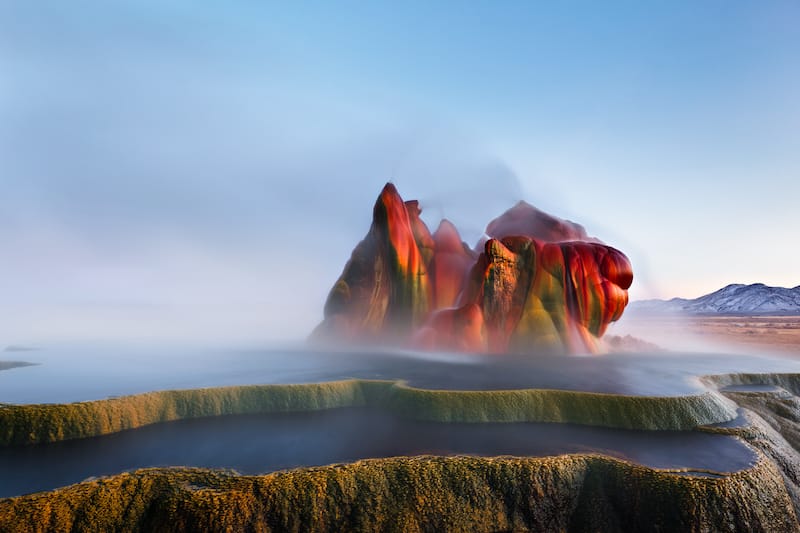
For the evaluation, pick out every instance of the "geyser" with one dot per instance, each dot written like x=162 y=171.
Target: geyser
x=536 y=283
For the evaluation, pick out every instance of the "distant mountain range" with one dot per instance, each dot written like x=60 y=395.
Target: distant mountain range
x=736 y=299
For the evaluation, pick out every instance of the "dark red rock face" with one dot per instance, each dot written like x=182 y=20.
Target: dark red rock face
x=540 y=284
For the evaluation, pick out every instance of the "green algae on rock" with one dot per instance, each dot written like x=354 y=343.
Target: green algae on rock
x=565 y=493
x=40 y=423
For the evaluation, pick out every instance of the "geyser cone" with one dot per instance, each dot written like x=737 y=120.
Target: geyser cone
x=383 y=290
x=539 y=284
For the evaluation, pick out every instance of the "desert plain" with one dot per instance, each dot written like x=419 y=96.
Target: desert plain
x=757 y=334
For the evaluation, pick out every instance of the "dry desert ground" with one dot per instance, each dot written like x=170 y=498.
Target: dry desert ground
x=752 y=334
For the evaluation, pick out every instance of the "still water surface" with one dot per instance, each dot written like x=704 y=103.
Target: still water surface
x=253 y=444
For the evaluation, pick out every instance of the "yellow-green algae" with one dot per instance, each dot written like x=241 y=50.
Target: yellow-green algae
x=40 y=423
x=566 y=493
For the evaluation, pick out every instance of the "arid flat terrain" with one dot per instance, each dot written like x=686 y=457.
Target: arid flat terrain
x=774 y=332
x=750 y=334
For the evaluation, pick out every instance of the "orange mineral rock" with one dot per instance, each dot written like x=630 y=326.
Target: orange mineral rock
x=383 y=291
x=539 y=285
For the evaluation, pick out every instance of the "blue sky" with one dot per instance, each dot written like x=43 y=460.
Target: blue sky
x=176 y=168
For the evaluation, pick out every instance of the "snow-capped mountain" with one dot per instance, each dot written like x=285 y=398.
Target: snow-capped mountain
x=736 y=299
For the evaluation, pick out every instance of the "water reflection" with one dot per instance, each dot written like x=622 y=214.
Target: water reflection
x=254 y=444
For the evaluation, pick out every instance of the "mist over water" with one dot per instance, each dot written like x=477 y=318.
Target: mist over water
x=256 y=444
x=81 y=372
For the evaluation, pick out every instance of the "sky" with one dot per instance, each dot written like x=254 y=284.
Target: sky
x=174 y=170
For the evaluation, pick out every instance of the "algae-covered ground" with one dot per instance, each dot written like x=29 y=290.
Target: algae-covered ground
x=39 y=423
x=565 y=493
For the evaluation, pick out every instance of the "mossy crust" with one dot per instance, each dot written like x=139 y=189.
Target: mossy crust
x=568 y=493
x=42 y=423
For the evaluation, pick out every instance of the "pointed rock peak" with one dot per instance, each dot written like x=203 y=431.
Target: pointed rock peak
x=526 y=220
x=389 y=188
x=447 y=238
x=389 y=197
x=445 y=226
x=390 y=210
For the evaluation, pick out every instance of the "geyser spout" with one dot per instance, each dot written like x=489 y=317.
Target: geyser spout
x=539 y=284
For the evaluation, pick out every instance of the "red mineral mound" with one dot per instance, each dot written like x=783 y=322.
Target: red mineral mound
x=524 y=219
x=540 y=284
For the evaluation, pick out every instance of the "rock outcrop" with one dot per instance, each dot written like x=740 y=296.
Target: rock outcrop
x=384 y=290
x=574 y=493
x=538 y=284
